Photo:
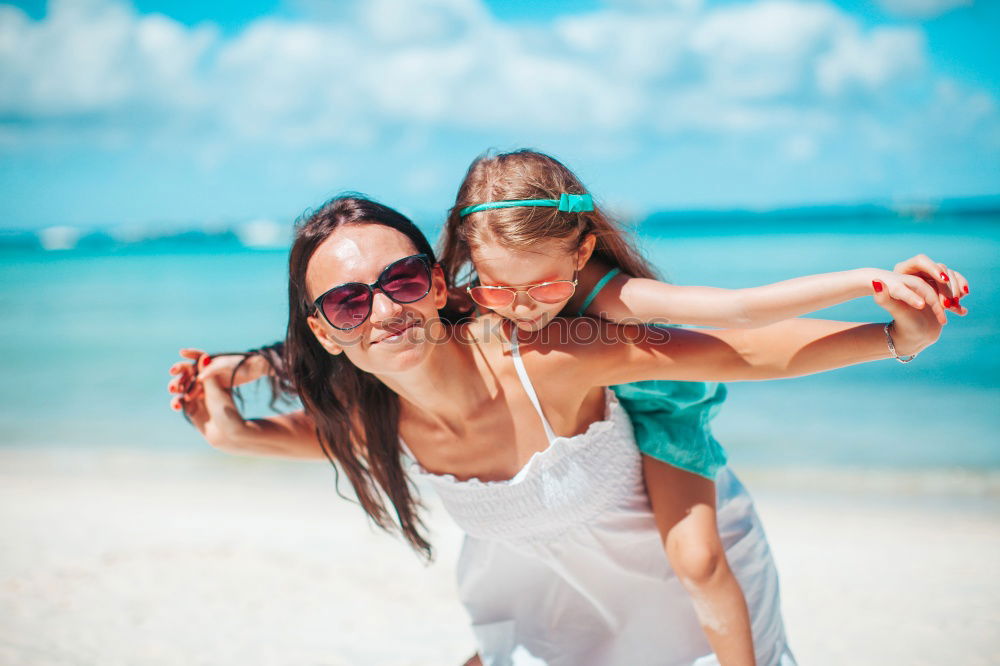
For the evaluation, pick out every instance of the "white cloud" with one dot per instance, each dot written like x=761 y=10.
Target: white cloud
x=656 y=5
x=781 y=49
x=870 y=62
x=960 y=111
x=394 y=22
x=800 y=148
x=766 y=49
x=624 y=46
x=92 y=57
x=669 y=68
x=922 y=9
x=423 y=179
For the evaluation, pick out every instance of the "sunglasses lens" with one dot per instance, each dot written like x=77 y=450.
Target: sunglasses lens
x=492 y=298
x=407 y=280
x=553 y=292
x=347 y=306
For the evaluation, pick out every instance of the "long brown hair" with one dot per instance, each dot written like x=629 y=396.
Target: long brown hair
x=356 y=415
x=528 y=174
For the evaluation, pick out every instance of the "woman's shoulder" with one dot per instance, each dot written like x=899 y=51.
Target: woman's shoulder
x=571 y=343
x=492 y=333
x=483 y=330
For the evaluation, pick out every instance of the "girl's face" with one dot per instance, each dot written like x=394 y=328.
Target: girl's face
x=395 y=336
x=546 y=261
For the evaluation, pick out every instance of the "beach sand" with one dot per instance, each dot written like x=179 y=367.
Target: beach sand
x=117 y=557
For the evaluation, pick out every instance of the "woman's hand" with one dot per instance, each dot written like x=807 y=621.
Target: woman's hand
x=950 y=285
x=913 y=329
x=204 y=385
x=204 y=390
x=201 y=366
x=185 y=374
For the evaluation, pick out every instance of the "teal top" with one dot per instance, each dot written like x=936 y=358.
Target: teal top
x=671 y=419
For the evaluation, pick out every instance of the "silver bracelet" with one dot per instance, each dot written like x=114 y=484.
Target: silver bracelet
x=892 y=347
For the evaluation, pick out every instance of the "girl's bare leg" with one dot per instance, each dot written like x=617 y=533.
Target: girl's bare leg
x=684 y=507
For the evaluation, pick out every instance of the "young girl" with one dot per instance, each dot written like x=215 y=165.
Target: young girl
x=529 y=241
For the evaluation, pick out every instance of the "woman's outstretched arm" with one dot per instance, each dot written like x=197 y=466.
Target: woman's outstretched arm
x=233 y=369
x=206 y=396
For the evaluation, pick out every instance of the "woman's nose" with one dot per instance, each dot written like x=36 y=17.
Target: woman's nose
x=384 y=308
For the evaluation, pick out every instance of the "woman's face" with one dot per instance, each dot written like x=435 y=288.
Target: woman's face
x=395 y=337
x=546 y=261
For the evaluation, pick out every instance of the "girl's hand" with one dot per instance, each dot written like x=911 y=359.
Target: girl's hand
x=910 y=289
x=913 y=329
x=950 y=285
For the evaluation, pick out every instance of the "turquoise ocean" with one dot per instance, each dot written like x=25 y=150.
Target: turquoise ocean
x=88 y=334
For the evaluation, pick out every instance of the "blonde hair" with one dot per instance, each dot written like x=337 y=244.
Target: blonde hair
x=527 y=174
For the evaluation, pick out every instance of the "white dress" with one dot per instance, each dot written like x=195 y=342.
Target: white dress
x=563 y=565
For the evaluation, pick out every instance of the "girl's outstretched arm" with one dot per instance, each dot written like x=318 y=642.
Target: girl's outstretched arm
x=628 y=299
x=620 y=354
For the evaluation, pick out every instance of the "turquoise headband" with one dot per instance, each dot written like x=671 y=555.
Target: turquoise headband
x=568 y=203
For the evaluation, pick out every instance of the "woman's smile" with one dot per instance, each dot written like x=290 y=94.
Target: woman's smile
x=394 y=333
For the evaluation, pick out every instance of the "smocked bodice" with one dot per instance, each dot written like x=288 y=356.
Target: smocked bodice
x=567 y=484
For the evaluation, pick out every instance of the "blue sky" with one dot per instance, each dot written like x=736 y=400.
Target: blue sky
x=177 y=113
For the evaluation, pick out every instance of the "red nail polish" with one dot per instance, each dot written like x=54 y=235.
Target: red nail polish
x=965 y=289
x=950 y=302
x=944 y=276
x=205 y=360
x=877 y=286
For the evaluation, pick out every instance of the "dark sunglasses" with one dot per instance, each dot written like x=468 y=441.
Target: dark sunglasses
x=349 y=305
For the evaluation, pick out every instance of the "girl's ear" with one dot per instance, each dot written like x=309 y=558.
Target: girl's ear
x=322 y=334
x=439 y=287
x=586 y=249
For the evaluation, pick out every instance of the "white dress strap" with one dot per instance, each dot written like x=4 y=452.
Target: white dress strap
x=526 y=383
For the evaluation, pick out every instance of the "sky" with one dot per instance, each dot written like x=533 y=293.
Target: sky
x=180 y=113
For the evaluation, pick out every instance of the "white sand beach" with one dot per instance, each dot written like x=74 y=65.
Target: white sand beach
x=142 y=558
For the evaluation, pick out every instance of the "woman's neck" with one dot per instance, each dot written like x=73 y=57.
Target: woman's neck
x=447 y=385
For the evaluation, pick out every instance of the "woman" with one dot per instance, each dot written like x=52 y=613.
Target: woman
x=531 y=454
